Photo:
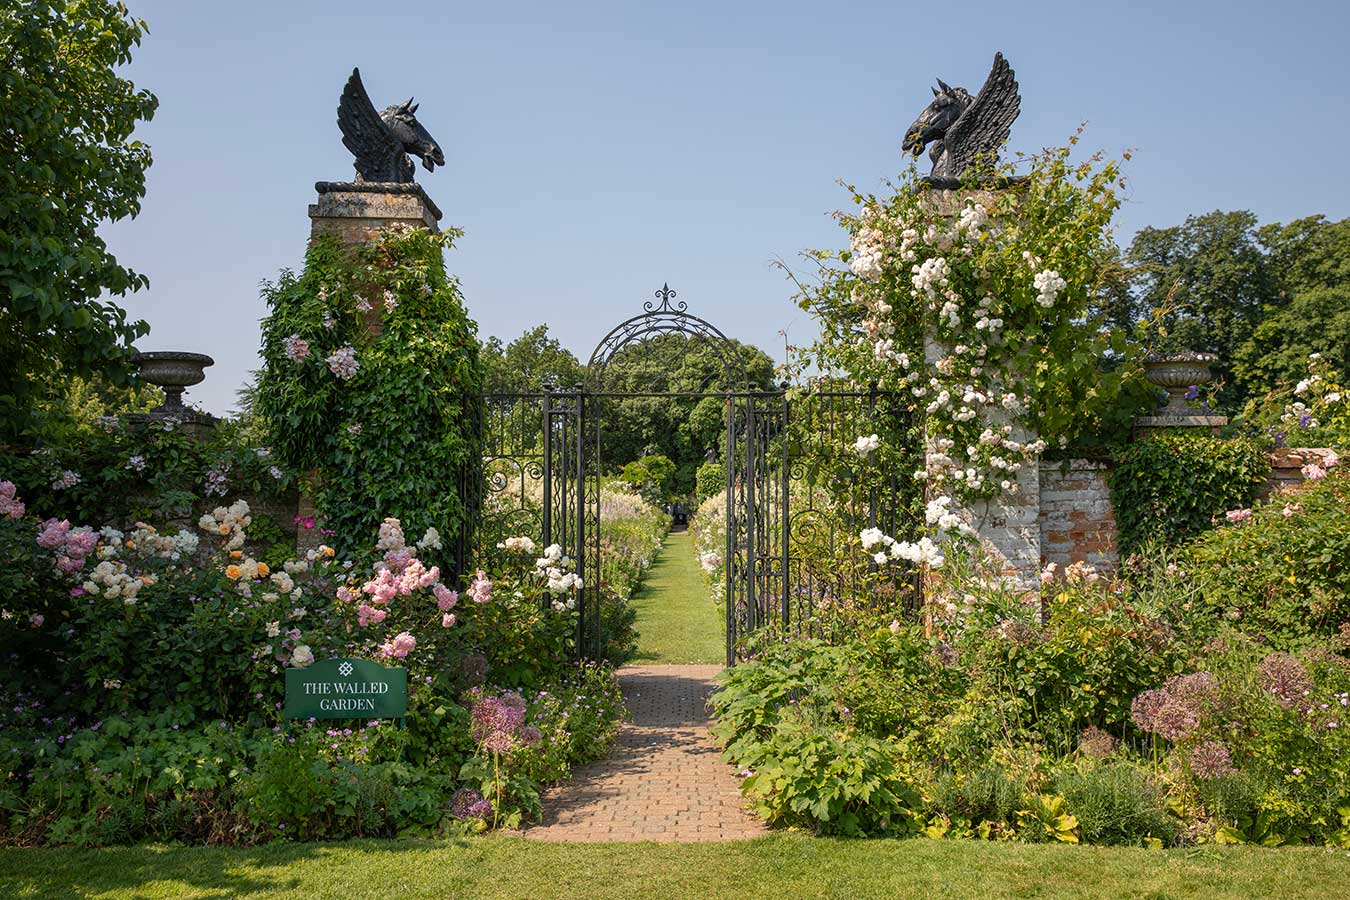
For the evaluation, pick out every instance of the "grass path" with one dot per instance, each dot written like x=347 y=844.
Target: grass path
x=677 y=621
x=780 y=866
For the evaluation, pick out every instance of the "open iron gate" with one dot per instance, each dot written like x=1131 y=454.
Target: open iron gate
x=794 y=496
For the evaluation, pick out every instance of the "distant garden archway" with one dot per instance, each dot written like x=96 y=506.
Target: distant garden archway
x=792 y=504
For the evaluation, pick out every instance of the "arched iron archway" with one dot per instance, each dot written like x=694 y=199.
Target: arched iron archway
x=663 y=318
x=549 y=444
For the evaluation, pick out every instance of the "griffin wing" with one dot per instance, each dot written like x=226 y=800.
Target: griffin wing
x=986 y=123
x=364 y=132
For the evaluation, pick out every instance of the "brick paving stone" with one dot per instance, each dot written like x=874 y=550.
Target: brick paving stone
x=664 y=779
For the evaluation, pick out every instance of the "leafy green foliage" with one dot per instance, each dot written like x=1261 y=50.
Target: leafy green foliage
x=1170 y=487
x=400 y=435
x=710 y=479
x=1283 y=574
x=532 y=363
x=683 y=429
x=67 y=164
x=1262 y=297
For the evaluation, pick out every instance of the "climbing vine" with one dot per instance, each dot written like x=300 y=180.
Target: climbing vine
x=370 y=381
x=978 y=304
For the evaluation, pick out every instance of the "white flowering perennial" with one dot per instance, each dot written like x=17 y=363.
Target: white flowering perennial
x=886 y=549
x=866 y=445
x=559 y=579
x=518 y=544
x=342 y=363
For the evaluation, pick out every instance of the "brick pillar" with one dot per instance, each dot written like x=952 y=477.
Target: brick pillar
x=356 y=212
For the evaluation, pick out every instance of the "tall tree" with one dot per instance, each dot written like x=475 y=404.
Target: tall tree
x=529 y=364
x=1206 y=282
x=67 y=163
x=1309 y=262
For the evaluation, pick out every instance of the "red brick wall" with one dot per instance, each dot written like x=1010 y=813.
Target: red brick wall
x=1077 y=521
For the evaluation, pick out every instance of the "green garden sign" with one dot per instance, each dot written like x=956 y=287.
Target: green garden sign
x=346 y=689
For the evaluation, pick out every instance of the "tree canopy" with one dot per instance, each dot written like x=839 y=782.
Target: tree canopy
x=1262 y=297
x=67 y=164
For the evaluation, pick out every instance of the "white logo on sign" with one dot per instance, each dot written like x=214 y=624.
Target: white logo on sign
x=345 y=669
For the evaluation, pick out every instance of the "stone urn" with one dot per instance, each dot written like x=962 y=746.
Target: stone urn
x=1177 y=374
x=172 y=371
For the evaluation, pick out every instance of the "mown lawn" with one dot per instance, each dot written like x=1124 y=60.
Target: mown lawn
x=677 y=622
x=780 y=866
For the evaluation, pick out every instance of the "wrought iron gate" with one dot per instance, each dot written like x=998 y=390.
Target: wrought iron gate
x=793 y=500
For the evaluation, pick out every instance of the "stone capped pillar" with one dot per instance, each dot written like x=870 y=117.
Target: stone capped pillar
x=357 y=211
x=1007 y=527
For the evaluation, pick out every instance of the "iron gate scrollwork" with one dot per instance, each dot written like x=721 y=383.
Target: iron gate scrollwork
x=791 y=503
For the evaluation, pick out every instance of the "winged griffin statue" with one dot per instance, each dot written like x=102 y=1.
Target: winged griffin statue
x=964 y=129
x=382 y=141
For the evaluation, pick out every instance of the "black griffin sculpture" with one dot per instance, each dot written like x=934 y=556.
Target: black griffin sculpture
x=964 y=129
x=382 y=141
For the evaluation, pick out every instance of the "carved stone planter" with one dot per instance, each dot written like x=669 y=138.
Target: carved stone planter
x=173 y=371
x=1177 y=374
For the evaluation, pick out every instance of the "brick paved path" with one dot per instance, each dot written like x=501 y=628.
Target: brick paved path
x=664 y=780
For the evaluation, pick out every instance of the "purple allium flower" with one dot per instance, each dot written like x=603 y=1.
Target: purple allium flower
x=469 y=804
x=1096 y=743
x=495 y=721
x=1144 y=709
x=1175 y=720
x=946 y=653
x=1284 y=677
x=1210 y=759
x=1199 y=690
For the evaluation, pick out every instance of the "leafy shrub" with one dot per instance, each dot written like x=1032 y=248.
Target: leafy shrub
x=1117 y=802
x=710 y=479
x=839 y=782
x=652 y=477
x=1284 y=572
x=1171 y=486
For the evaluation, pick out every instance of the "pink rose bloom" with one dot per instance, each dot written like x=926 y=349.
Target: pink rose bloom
x=447 y=620
x=53 y=534
x=346 y=595
x=1314 y=472
x=293 y=634
x=37 y=619
x=445 y=598
x=367 y=615
x=77 y=592
x=398 y=560
x=481 y=589
x=69 y=565
x=429 y=577
x=1238 y=515
x=11 y=507
x=399 y=646
x=81 y=542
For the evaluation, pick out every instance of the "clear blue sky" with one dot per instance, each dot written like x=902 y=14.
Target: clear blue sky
x=595 y=151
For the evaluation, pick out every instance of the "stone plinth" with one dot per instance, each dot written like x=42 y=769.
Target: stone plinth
x=1145 y=425
x=357 y=211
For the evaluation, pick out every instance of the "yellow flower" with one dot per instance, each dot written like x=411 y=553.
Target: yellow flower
x=224 y=529
x=263 y=570
x=327 y=550
x=232 y=573
x=236 y=554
